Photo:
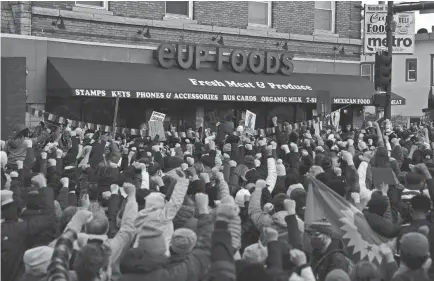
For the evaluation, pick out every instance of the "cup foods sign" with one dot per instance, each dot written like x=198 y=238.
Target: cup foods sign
x=375 y=31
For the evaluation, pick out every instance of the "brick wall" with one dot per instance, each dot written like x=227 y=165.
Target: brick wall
x=226 y=14
x=293 y=17
x=138 y=9
x=287 y=17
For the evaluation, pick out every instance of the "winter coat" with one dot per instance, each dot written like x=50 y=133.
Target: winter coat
x=161 y=218
x=333 y=258
x=17 y=236
x=191 y=268
x=16 y=150
x=382 y=225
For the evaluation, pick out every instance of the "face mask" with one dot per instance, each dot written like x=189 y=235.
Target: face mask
x=317 y=243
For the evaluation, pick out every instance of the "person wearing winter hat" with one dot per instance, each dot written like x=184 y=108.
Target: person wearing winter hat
x=420 y=207
x=255 y=253
x=415 y=258
x=337 y=275
x=36 y=261
x=365 y=270
x=137 y=266
x=183 y=242
x=17 y=235
x=374 y=213
x=159 y=213
x=328 y=253
x=240 y=197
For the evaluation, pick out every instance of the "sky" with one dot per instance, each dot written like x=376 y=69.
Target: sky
x=422 y=21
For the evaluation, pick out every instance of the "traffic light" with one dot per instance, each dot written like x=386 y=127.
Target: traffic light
x=383 y=70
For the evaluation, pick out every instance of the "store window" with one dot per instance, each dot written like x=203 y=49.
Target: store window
x=93 y=4
x=410 y=70
x=179 y=9
x=259 y=13
x=325 y=15
x=367 y=71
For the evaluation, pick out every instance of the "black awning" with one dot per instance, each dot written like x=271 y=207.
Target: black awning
x=73 y=77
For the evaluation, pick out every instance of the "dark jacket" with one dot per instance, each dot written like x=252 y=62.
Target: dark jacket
x=18 y=236
x=223 y=266
x=333 y=258
x=192 y=267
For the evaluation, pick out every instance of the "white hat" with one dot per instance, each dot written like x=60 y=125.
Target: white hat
x=6 y=197
x=36 y=260
x=239 y=197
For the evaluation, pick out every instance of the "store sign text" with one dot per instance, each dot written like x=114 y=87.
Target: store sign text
x=251 y=85
x=216 y=97
x=269 y=62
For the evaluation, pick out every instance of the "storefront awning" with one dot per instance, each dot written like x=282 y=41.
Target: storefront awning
x=73 y=77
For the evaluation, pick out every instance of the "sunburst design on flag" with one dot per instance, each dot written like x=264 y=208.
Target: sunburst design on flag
x=367 y=250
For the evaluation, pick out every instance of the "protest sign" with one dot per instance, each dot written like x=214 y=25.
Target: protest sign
x=250 y=122
x=156 y=128
x=157 y=116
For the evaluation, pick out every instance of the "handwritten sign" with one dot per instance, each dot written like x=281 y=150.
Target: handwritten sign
x=156 y=128
x=157 y=116
x=250 y=122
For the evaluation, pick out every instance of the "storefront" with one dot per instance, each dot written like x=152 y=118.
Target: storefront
x=197 y=87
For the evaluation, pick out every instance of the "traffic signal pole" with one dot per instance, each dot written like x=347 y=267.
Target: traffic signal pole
x=389 y=20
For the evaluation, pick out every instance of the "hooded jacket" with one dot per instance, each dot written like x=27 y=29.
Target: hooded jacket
x=160 y=216
x=192 y=267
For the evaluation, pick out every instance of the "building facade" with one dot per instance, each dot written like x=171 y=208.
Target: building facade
x=412 y=75
x=72 y=49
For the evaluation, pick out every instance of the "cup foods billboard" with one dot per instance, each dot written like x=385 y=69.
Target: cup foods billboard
x=375 y=31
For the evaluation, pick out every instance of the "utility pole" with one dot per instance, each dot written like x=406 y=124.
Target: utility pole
x=389 y=20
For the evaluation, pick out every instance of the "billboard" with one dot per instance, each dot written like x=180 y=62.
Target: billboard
x=375 y=31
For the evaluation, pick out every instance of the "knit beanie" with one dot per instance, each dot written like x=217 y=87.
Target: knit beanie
x=183 y=241
x=255 y=253
x=414 y=244
x=337 y=275
x=151 y=240
x=36 y=260
x=280 y=168
x=249 y=161
x=322 y=226
x=239 y=197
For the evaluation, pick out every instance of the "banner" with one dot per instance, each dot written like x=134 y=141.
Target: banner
x=250 y=122
x=157 y=128
x=348 y=222
x=403 y=39
x=157 y=116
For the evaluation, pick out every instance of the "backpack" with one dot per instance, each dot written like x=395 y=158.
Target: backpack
x=350 y=262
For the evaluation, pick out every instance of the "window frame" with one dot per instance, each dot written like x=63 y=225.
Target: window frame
x=104 y=7
x=371 y=72
x=407 y=70
x=269 y=12
x=180 y=16
x=333 y=23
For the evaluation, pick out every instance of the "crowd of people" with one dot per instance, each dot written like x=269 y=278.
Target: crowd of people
x=82 y=205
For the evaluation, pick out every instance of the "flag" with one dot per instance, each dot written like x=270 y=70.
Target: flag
x=347 y=221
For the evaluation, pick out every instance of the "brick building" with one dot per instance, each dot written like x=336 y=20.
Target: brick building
x=73 y=49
